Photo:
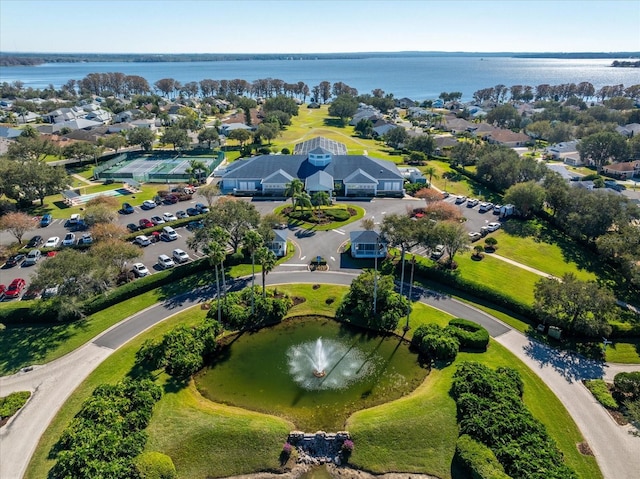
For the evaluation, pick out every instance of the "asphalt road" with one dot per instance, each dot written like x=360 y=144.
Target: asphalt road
x=615 y=449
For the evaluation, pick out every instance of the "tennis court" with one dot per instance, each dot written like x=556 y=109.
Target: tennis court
x=153 y=168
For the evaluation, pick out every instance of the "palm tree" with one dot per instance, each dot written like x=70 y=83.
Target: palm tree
x=293 y=190
x=267 y=260
x=252 y=241
x=321 y=198
x=303 y=200
x=195 y=168
x=216 y=253
x=401 y=231
x=430 y=171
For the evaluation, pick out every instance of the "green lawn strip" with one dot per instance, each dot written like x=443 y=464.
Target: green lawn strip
x=22 y=346
x=11 y=404
x=209 y=436
x=244 y=269
x=626 y=351
x=321 y=301
x=418 y=433
x=511 y=280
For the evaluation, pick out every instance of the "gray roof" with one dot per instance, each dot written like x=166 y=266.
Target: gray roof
x=279 y=176
x=366 y=236
x=320 y=180
x=299 y=166
x=9 y=132
x=281 y=235
x=331 y=146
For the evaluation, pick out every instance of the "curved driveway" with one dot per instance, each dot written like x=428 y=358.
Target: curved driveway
x=615 y=449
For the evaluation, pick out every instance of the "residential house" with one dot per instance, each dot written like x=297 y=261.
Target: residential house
x=319 y=168
x=77 y=124
x=279 y=243
x=507 y=138
x=457 y=125
x=629 y=130
x=9 y=133
x=405 y=102
x=626 y=170
x=367 y=244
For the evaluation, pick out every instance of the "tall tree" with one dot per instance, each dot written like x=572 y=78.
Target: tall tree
x=176 y=136
x=453 y=236
x=400 y=231
x=294 y=188
x=234 y=216
x=252 y=241
x=602 y=148
x=17 y=224
x=209 y=136
x=267 y=260
x=344 y=107
x=528 y=198
x=143 y=137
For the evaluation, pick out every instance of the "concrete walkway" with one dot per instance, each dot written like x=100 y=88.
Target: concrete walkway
x=617 y=452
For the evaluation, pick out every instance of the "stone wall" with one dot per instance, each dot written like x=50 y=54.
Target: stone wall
x=318 y=448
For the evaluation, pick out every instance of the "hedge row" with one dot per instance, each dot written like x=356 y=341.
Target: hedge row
x=11 y=404
x=601 y=392
x=479 y=461
x=471 y=335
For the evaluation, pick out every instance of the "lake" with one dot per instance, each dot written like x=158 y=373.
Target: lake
x=419 y=78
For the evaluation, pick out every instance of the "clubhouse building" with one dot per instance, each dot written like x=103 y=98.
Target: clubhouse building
x=322 y=164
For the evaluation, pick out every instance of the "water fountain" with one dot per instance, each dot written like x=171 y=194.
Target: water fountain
x=328 y=364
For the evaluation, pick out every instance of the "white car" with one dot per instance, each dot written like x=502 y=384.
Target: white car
x=493 y=226
x=86 y=239
x=140 y=270
x=180 y=256
x=438 y=251
x=169 y=217
x=164 y=262
x=460 y=199
x=475 y=236
x=485 y=207
x=52 y=242
x=148 y=205
x=142 y=240
x=168 y=234
x=69 y=240
x=472 y=202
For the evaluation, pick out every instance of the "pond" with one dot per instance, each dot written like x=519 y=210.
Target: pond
x=313 y=371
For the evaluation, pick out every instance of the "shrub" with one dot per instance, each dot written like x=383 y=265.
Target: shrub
x=628 y=383
x=435 y=342
x=11 y=404
x=236 y=309
x=337 y=214
x=601 y=392
x=471 y=335
x=479 y=461
x=155 y=465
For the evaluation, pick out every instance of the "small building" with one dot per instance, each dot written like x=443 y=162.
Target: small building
x=279 y=243
x=367 y=244
x=625 y=170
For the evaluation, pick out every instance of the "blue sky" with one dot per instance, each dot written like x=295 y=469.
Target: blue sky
x=310 y=26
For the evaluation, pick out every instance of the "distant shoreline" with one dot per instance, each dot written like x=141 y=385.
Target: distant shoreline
x=8 y=59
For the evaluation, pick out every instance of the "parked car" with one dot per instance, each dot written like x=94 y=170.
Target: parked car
x=142 y=240
x=460 y=199
x=14 y=260
x=496 y=209
x=32 y=293
x=15 y=288
x=133 y=227
x=472 y=202
x=485 y=206
x=438 y=251
x=195 y=225
x=52 y=242
x=81 y=225
x=126 y=209
x=180 y=214
x=140 y=270
x=85 y=239
x=148 y=205
x=145 y=223
x=46 y=220
x=169 y=217
x=475 y=236
x=3 y=288
x=32 y=257
x=164 y=262
x=170 y=199
x=202 y=208
x=493 y=226
x=35 y=242
x=157 y=220
x=180 y=256
x=73 y=220
x=193 y=212
x=50 y=292
x=168 y=234
x=69 y=240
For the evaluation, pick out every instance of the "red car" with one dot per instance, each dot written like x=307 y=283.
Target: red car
x=145 y=223
x=15 y=288
x=2 y=289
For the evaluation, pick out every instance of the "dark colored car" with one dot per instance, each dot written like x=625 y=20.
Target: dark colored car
x=195 y=225
x=170 y=199
x=15 y=260
x=80 y=226
x=145 y=223
x=15 y=288
x=133 y=227
x=126 y=209
x=32 y=293
x=192 y=212
x=46 y=220
x=181 y=214
x=202 y=208
x=35 y=242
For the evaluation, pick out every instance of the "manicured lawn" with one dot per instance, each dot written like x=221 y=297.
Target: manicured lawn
x=626 y=351
x=540 y=248
x=511 y=280
x=329 y=226
x=414 y=434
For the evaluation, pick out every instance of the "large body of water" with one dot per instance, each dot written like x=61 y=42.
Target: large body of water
x=418 y=78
